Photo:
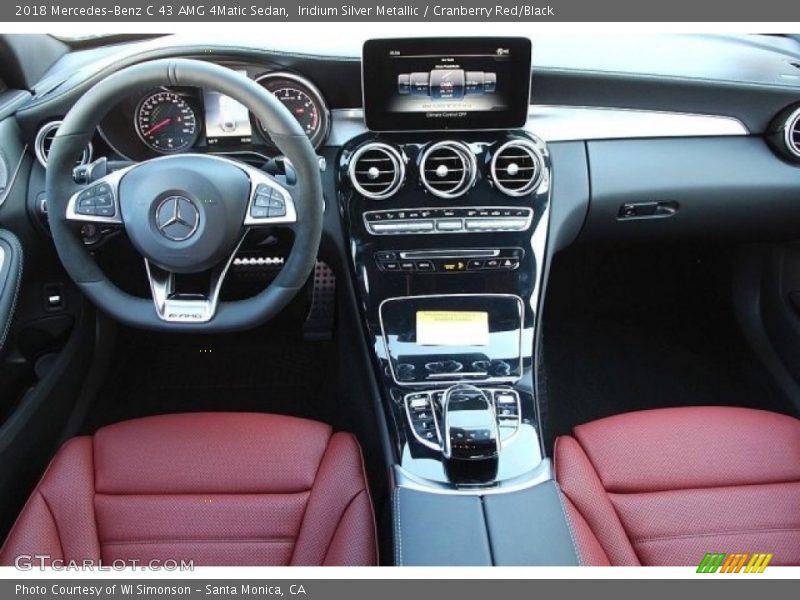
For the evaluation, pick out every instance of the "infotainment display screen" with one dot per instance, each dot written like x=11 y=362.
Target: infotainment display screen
x=430 y=84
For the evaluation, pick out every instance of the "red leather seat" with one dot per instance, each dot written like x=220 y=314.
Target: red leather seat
x=663 y=487
x=215 y=488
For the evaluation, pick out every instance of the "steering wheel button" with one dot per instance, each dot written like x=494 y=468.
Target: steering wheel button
x=259 y=212
x=86 y=210
x=275 y=211
x=277 y=202
x=262 y=200
x=86 y=202
x=103 y=200
x=105 y=211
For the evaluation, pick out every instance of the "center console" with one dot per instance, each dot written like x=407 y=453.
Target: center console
x=446 y=209
x=449 y=282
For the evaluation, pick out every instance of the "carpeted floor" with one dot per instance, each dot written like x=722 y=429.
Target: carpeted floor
x=630 y=328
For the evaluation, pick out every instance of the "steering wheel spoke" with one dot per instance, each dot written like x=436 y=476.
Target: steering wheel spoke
x=174 y=306
x=98 y=202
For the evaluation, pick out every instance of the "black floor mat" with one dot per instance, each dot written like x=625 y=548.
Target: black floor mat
x=262 y=370
x=630 y=328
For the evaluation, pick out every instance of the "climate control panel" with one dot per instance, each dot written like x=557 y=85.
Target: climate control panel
x=477 y=219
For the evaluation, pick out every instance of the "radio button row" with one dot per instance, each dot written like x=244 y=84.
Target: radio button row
x=406 y=265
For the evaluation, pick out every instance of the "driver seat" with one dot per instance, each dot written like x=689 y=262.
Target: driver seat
x=214 y=488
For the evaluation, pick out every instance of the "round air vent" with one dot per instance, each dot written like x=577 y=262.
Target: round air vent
x=517 y=168
x=377 y=170
x=791 y=134
x=44 y=139
x=448 y=169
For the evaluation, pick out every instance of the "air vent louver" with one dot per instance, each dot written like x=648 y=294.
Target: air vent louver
x=377 y=170
x=516 y=168
x=44 y=139
x=448 y=169
x=792 y=134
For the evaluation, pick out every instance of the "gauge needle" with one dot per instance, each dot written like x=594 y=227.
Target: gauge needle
x=160 y=125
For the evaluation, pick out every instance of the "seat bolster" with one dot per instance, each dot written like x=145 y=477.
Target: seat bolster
x=585 y=495
x=591 y=553
x=58 y=520
x=34 y=534
x=354 y=543
x=339 y=524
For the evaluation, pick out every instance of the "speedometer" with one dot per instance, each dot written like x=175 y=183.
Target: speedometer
x=303 y=100
x=166 y=123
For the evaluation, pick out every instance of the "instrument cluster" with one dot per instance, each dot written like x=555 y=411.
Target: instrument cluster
x=171 y=120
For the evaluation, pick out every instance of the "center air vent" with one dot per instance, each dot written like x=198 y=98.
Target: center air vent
x=448 y=169
x=792 y=134
x=44 y=139
x=517 y=168
x=377 y=170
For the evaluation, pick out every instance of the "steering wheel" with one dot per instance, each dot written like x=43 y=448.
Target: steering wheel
x=185 y=213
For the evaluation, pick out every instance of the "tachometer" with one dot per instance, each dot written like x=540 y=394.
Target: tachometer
x=301 y=106
x=166 y=122
x=303 y=100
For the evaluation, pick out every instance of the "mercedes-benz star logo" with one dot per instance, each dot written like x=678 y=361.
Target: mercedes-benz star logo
x=177 y=218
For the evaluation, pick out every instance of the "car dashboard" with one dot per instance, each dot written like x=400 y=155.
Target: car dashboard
x=446 y=201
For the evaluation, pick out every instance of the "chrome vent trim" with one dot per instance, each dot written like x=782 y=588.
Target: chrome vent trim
x=448 y=169
x=44 y=139
x=377 y=170
x=791 y=133
x=516 y=168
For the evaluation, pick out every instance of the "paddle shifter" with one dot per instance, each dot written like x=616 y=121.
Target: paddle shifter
x=471 y=439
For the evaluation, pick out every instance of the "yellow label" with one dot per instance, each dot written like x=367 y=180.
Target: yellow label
x=452 y=328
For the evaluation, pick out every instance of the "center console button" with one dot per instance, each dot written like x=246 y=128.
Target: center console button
x=405 y=371
x=499 y=368
x=444 y=366
x=495 y=224
x=425 y=265
x=475 y=264
x=407 y=265
x=505 y=398
x=385 y=256
x=453 y=265
x=415 y=226
x=449 y=225
x=385 y=227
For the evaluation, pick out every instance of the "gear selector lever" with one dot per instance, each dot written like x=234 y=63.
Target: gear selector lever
x=471 y=439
